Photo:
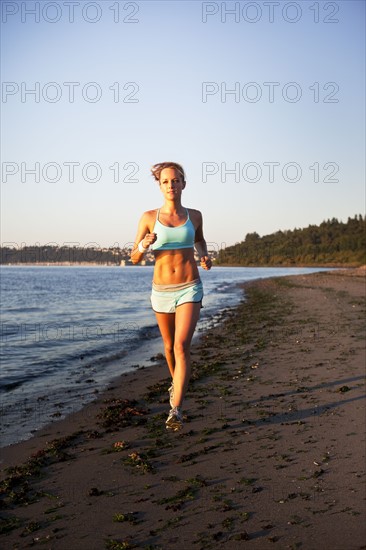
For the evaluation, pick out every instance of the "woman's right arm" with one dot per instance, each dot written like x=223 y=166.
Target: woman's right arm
x=143 y=238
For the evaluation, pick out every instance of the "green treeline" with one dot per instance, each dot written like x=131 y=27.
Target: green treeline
x=331 y=243
x=49 y=254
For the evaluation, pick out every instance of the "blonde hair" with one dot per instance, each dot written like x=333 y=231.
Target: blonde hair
x=157 y=169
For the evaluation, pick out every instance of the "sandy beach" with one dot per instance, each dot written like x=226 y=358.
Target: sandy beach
x=272 y=454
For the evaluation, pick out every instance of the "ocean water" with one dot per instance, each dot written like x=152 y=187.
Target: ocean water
x=66 y=332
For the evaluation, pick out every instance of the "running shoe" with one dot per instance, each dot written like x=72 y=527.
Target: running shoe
x=171 y=395
x=175 y=419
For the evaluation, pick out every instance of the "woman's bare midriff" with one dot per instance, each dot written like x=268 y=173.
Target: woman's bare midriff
x=175 y=266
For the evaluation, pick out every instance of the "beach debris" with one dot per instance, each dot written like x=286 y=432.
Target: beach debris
x=227 y=505
x=139 y=461
x=129 y=516
x=95 y=492
x=120 y=412
x=172 y=478
x=228 y=523
x=116 y=447
x=157 y=357
x=8 y=524
x=343 y=389
x=93 y=434
x=324 y=460
x=16 y=487
x=157 y=391
x=30 y=528
x=134 y=456
x=119 y=445
x=295 y=520
x=112 y=544
x=241 y=536
x=197 y=481
x=176 y=501
x=302 y=389
x=186 y=494
x=191 y=456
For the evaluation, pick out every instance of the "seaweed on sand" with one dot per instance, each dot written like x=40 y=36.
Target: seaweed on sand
x=121 y=412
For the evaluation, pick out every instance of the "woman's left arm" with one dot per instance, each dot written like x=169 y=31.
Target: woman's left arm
x=200 y=244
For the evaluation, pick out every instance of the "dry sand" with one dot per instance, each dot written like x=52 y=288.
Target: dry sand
x=272 y=454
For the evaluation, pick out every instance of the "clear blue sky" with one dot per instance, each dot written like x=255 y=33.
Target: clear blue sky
x=169 y=52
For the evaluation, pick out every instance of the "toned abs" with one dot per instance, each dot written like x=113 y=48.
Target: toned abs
x=175 y=266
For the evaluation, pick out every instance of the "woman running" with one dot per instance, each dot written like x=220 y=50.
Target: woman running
x=173 y=231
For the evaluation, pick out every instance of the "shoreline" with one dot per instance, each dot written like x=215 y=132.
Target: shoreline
x=25 y=411
x=351 y=265
x=256 y=460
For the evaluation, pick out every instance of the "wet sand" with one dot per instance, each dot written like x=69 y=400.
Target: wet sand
x=272 y=454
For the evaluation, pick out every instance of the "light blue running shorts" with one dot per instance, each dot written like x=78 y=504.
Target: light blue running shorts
x=167 y=300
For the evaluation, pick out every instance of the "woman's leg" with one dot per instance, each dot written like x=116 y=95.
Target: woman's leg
x=186 y=317
x=166 y=322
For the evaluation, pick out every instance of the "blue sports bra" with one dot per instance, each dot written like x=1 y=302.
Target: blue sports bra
x=173 y=238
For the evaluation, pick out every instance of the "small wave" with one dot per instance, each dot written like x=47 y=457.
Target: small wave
x=7 y=385
x=222 y=288
x=23 y=309
x=225 y=286
x=9 y=330
x=105 y=359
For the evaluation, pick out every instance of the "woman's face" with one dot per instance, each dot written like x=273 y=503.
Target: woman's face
x=171 y=182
